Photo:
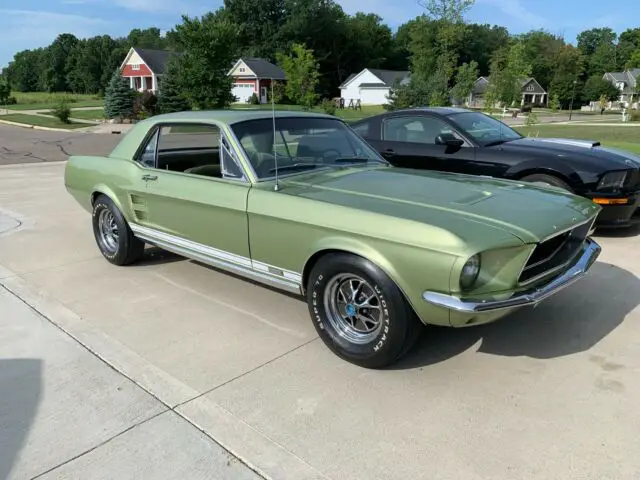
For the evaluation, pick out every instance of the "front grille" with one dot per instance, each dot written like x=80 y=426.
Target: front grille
x=555 y=253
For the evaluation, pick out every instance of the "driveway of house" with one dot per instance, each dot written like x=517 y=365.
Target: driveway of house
x=548 y=393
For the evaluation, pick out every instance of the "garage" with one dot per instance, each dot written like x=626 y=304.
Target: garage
x=243 y=91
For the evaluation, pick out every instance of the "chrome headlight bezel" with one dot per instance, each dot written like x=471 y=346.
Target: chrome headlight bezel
x=470 y=272
x=613 y=180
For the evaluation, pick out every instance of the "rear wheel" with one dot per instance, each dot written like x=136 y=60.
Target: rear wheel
x=113 y=235
x=545 y=179
x=359 y=312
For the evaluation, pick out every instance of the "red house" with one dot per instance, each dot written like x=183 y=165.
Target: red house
x=254 y=75
x=145 y=68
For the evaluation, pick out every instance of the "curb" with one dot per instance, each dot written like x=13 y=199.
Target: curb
x=32 y=164
x=49 y=129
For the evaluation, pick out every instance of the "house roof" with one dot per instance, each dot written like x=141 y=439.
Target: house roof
x=482 y=84
x=387 y=78
x=629 y=78
x=156 y=60
x=263 y=68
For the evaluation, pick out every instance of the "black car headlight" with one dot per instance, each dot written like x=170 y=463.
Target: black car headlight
x=613 y=180
x=470 y=272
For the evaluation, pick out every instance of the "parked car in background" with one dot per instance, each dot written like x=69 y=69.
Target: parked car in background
x=464 y=141
x=300 y=202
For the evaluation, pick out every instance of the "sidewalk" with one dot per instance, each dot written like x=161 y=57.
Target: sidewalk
x=66 y=414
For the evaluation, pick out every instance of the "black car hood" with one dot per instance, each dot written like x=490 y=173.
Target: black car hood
x=581 y=150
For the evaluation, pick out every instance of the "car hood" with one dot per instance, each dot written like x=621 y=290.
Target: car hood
x=450 y=201
x=588 y=151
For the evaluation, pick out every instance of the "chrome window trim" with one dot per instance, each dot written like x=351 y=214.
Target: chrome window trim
x=262 y=272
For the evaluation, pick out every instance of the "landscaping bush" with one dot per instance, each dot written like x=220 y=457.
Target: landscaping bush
x=254 y=100
x=62 y=112
x=329 y=107
x=526 y=108
x=11 y=101
x=145 y=105
x=634 y=115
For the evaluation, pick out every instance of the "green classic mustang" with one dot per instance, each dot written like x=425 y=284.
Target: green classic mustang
x=299 y=201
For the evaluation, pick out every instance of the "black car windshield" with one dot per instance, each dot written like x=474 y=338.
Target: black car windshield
x=484 y=129
x=302 y=144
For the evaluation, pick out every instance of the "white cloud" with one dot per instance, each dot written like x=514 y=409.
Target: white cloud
x=516 y=10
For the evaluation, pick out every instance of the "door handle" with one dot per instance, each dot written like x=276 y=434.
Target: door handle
x=146 y=178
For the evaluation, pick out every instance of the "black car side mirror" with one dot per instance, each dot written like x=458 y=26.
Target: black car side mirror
x=449 y=139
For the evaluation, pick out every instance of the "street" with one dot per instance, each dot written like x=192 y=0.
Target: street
x=170 y=369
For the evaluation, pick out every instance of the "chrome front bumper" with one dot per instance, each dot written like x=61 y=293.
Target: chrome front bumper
x=520 y=299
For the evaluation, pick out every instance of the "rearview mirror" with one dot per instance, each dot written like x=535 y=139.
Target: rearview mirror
x=449 y=139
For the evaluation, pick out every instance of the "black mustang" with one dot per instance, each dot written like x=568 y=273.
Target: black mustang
x=464 y=141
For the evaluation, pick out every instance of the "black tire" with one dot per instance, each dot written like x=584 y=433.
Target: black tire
x=549 y=180
x=398 y=326
x=125 y=249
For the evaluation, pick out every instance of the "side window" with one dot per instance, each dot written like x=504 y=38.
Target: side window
x=414 y=129
x=192 y=148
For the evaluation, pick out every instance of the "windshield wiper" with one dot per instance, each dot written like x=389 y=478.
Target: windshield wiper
x=352 y=160
x=297 y=166
x=498 y=142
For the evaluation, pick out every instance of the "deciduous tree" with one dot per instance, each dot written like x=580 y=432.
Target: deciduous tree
x=466 y=77
x=301 y=70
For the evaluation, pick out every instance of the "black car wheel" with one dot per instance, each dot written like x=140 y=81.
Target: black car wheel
x=113 y=235
x=359 y=312
x=547 y=180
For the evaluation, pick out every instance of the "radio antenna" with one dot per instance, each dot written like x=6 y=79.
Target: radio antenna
x=276 y=187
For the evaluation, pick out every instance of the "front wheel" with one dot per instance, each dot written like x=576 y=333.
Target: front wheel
x=113 y=235
x=359 y=312
x=544 y=179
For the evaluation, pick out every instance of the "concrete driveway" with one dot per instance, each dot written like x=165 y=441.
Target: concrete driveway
x=547 y=393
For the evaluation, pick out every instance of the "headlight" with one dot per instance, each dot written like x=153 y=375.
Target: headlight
x=613 y=180
x=470 y=272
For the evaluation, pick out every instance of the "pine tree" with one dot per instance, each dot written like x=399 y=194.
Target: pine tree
x=170 y=97
x=118 y=97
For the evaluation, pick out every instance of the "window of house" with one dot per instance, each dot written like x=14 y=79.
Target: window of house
x=530 y=88
x=241 y=69
x=195 y=149
x=135 y=66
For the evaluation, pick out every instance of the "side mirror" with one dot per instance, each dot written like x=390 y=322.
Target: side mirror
x=449 y=139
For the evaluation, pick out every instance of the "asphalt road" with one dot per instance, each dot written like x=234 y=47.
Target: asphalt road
x=25 y=145
x=549 y=393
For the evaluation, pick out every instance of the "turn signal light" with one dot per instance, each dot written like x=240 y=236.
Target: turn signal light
x=611 y=201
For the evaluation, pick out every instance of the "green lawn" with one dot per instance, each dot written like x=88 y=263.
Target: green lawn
x=43 y=100
x=93 y=114
x=626 y=138
x=50 y=122
x=346 y=114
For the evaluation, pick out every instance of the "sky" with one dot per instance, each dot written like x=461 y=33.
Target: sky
x=35 y=23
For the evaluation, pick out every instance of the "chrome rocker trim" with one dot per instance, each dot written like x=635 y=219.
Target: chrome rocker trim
x=529 y=297
x=243 y=266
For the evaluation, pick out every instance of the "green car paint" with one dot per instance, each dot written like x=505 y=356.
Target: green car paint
x=420 y=227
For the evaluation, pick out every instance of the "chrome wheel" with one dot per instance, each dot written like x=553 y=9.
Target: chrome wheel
x=108 y=231
x=354 y=308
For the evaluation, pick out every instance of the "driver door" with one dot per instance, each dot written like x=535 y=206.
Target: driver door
x=411 y=142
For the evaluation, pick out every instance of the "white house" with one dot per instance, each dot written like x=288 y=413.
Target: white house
x=254 y=75
x=145 y=68
x=371 y=86
x=627 y=83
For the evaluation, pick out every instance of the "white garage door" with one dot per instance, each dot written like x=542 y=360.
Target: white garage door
x=242 y=91
x=374 y=96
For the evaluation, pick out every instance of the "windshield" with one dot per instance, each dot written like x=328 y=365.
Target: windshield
x=302 y=144
x=484 y=129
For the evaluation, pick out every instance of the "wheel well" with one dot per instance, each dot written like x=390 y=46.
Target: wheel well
x=312 y=262
x=95 y=195
x=540 y=171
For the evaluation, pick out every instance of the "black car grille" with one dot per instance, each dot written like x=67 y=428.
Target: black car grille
x=555 y=253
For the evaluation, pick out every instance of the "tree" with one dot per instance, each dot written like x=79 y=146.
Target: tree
x=210 y=46
x=540 y=50
x=568 y=69
x=555 y=103
x=56 y=56
x=508 y=69
x=628 y=44
x=259 y=22
x=596 y=87
x=5 y=91
x=118 y=97
x=634 y=60
x=170 y=97
x=301 y=70
x=465 y=80
x=478 y=44
x=598 y=47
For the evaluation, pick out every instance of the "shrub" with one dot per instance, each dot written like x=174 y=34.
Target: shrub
x=145 y=105
x=254 y=100
x=11 y=101
x=62 y=112
x=634 y=115
x=526 y=108
x=329 y=106
x=118 y=97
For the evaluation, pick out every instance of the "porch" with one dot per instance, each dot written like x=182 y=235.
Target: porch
x=144 y=83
